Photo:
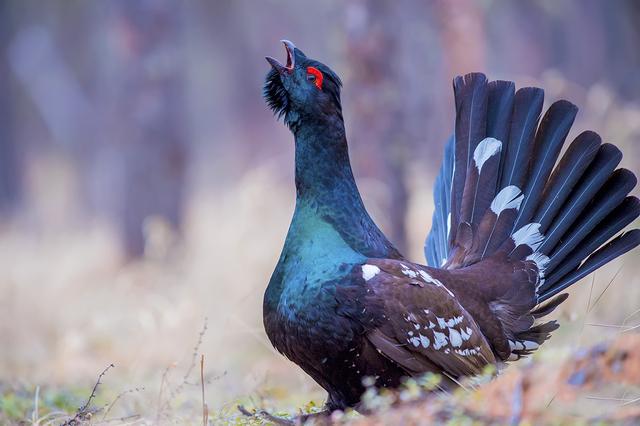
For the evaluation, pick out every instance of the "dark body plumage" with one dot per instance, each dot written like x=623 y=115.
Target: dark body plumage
x=510 y=231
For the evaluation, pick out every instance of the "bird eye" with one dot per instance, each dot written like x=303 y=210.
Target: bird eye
x=315 y=75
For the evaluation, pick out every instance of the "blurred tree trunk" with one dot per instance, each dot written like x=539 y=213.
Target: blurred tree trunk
x=463 y=36
x=10 y=179
x=378 y=111
x=149 y=102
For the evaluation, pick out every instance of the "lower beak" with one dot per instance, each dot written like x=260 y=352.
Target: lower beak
x=291 y=59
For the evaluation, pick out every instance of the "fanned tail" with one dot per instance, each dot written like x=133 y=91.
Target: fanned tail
x=504 y=190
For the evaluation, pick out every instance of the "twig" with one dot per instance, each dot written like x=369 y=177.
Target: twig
x=631 y=316
x=608 y=398
x=205 y=409
x=606 y=288
x=36 y=397
x=593 y=279
x=173 y=393
x=163 y=380
x=631 y=328
x=606 y=325
x=264 y=414
x=120 y=395
x=82 y=411
x=632 y=401
x=245 y=412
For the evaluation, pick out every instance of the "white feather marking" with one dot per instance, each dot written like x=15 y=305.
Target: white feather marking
x=369 y=271
x=448 y=224
x=466 y=334
x=425 y=341
x=530 y=235
x=440 y=340
x=516 y=346
x=510 y=197
x=486 y=149
x=455 y=338
x=415 y=341
x=541 y=260
x=429 y=279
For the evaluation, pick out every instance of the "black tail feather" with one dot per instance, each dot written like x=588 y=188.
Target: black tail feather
x=499 y=109
x=617 y=247
x=546 y=308
x=437 y=244
x=550 y=137
x=526 y=113
x=620 y=217
x=607 y=158
x=570 y=169
x=621 y=182
x=471 y=123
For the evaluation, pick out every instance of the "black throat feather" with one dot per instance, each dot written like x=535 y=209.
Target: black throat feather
x=275 y=94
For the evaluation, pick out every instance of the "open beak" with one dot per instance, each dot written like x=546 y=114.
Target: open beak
x=291 y=59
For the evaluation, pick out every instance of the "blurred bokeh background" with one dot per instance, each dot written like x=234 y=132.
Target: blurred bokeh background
x=145 y=186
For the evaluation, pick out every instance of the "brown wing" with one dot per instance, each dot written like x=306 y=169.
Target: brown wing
x=422 y=326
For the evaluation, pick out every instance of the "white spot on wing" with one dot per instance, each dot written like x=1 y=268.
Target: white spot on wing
x=424 y=341
x=408 y=271
x=455 y=338
x=510 y=197
x=440 y=340
x=466 y=334
x=486 y=149
x=429 y=279
x=369 y=271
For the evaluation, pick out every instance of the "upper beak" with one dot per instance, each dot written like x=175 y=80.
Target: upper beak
x=291 y=59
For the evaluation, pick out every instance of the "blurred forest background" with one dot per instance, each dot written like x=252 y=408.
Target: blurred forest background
x=144 y=184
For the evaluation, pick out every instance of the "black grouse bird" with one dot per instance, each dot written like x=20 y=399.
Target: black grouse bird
x=511 y=230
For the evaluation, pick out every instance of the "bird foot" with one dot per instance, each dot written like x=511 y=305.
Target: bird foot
x=322 y=417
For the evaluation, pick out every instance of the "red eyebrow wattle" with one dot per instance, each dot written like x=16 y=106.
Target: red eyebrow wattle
x=318 y=74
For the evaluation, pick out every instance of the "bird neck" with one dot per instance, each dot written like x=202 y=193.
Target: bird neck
x=323 y=170
x=326 y=188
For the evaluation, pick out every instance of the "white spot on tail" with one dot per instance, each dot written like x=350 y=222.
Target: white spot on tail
x=486 y=149
x=369 y=271
x=541 y=261
x=510 y=197
x=530 y=235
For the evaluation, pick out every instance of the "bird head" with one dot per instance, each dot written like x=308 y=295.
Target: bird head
x=303 y=89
